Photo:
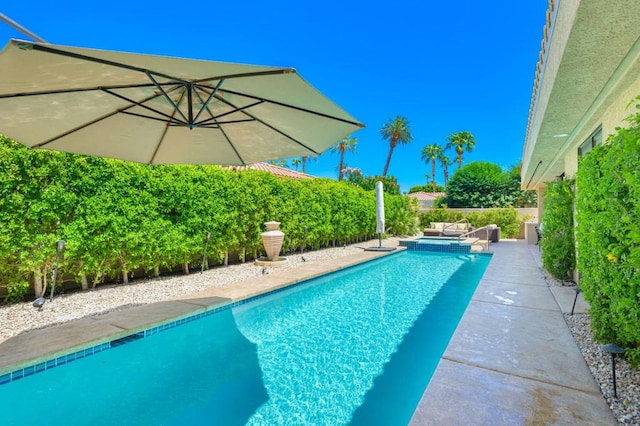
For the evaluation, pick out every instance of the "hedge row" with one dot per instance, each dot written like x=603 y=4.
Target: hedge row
x=558 y=243
x=506 y=218
x=118 y=217
x=608 y=238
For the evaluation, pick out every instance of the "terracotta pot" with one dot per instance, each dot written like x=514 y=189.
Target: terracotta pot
x=272 y=240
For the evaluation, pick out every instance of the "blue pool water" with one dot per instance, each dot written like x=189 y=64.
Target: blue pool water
x=354 y=347
x=437 y=240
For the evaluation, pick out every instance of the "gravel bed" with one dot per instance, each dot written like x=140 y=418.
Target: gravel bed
x=626 y=408
x=22 y=317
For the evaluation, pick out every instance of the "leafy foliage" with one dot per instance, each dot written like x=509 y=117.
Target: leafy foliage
x=368 y=183
x=460 y=142
x=507 y=219
x=558 y=244
x=608 y=237
x=426 y=188
x=120 y=219
x=482 y=184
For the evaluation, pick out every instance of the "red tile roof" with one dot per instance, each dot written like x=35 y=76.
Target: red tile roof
x=426 y=196
x=274 y=170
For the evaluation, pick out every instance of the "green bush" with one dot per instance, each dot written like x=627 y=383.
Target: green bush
x=507 y=219
x=608 y=238
x=121 y=218
x=16 y=291
x=558 y=243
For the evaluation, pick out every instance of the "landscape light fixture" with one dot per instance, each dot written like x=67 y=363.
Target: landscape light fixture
x=613 y=349
x=577 y=290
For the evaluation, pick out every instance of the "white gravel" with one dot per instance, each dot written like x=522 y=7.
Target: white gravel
x=22 y=317
x=626 y=408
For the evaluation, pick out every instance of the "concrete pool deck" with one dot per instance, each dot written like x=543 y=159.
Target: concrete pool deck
x=512 y=359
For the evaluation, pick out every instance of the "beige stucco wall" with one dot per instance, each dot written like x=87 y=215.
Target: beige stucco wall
x=612 y=117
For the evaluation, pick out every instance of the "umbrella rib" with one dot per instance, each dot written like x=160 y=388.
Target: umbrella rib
x=48 y=49
x=75 y=90
x=90 y=123
x=55 y=51
x=167 y=97
x=253 y=117
x=232 y=145
x=282 y=104
x=206 y=103
x=278 y=71
x=215 y=118
x=136 y=103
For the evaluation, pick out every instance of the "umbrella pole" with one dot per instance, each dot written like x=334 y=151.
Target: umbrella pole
x=20 y=28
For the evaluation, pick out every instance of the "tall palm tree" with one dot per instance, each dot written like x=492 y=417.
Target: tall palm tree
x=445 y=162
x=304 y=161
x=429 y=154
x=460 y=142
x=342 y=147
x=396 y=131
x=295 y=163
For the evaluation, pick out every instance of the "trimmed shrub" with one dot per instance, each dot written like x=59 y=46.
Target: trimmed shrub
x=608 y=237
x=558 y=243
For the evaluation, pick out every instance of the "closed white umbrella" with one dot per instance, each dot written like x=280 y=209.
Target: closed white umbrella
x=380 y=226
x=379 y=208
x=161 y=110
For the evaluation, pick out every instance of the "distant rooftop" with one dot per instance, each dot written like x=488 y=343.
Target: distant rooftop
x=274 y=170
x=426 y=196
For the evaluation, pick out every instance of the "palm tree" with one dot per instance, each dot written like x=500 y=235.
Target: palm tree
x=304 y=161
x=445 y=162
x=430 y=153
x=396 y=131
x=460 y=142
x=295 y=163
x=345 y=145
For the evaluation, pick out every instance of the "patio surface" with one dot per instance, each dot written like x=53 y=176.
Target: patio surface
x=512 y=359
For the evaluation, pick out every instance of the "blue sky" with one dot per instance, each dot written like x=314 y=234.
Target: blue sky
x=458 y=65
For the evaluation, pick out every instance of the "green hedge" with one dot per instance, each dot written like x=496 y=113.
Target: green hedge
x=608 y=238
x=507 y=219
x=118 y=217
x=558 y=242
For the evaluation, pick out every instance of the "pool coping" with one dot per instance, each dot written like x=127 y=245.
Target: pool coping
x=32 y=351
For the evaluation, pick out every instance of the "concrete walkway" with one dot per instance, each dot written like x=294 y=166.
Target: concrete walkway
x=512 y=359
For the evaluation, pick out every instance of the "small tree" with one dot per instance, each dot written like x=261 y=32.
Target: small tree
x=557 y=244
x=481 y=184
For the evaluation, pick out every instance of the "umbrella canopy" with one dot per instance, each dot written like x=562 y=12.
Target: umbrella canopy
x=161 y=110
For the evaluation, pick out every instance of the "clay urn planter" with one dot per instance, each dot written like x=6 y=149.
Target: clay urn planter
x=272 y=240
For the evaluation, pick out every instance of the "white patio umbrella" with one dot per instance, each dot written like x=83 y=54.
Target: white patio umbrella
x=380 y=225
x=161 y=110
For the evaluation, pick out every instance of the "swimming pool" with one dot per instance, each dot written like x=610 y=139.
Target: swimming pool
x=438 y=244
x=358 y=347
